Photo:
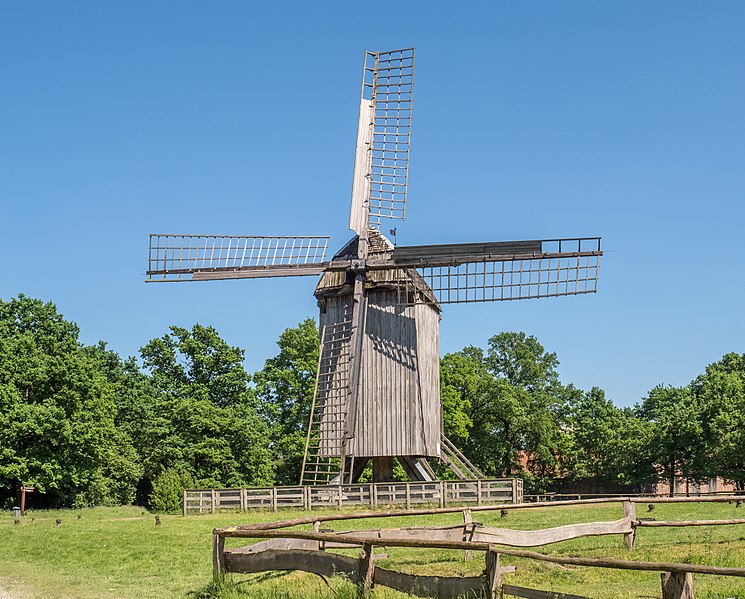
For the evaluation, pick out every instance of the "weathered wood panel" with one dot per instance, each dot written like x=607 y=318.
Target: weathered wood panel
x=399 y=411
x=431 y=586
x=501 y=536
x=315 y=562
x=278 y=544
x=546 y=536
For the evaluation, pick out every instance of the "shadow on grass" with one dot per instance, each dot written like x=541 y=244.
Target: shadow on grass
x=277 y=586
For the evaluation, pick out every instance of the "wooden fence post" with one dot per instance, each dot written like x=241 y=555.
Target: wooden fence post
x=218 y=555
x=629 y=511
x=677 y=585
x=468 y=530
x=408 y=496
x=493 y=575
x=367 y=569
x=478 y=492
x=213 y=501
x=244 y=500
x=274 y=499
x=514 y=490
x=184 y=502
x=442 y=493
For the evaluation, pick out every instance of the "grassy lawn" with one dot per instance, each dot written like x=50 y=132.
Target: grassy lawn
x=120 y=553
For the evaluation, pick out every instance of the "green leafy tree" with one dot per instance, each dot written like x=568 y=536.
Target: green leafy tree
x=675 y=416
x=721 y=391
x=503 y=406
x=462 y=376
x=284 y=388
x=58 y=412
x=202 y=419
x=608 y=444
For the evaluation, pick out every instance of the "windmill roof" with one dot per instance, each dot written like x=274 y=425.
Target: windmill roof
x=379 y=246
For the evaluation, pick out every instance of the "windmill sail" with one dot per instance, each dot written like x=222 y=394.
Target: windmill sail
x=383 y=139
x=466 y=273
x=204 y=257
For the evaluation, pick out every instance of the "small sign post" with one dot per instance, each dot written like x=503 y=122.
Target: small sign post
x=24 y=490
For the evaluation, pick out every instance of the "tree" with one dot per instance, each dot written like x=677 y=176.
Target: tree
x=462 y=375
x=608 y=444
x=523 y=362
x=721 y=391
x=675 y=415
x=58 y=412
x=503 y=406
x=284 y=388
x=201 y=420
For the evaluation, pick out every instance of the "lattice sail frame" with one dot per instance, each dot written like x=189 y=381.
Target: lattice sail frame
x=182 y=257
x=564 y=267
x=388 y=82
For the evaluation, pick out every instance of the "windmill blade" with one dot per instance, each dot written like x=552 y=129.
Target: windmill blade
x=465 y=273
x=209 y=257
x=383 y=138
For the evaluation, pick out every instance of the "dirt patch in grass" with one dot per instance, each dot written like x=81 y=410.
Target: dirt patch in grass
x=11 y=591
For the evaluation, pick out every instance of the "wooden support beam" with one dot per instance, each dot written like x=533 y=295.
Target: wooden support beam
x=629 y=512
x=367 y=570
x=677 y=585
x=218 y=555
x=468 y=530
x=663 y=523
x=493 y=574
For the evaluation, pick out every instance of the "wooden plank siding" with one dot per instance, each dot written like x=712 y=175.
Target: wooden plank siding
x=399 y=408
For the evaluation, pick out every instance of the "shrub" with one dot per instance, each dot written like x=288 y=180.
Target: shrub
x=168 y=490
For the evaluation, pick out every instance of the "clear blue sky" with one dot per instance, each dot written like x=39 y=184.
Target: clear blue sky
x=531 y=120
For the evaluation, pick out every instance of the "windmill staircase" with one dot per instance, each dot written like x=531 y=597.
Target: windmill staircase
x=456 y=461
x=329 y=407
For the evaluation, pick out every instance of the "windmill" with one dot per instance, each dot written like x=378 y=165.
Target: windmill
x=377 y=395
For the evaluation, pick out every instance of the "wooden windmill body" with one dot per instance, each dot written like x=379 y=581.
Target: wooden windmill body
x=377 y=394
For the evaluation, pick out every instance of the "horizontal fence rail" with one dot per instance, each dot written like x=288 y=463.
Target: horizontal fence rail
x=374 y=495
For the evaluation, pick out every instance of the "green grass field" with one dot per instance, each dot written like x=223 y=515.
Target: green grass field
x=120 y=553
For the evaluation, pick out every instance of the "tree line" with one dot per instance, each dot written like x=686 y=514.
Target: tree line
x=88 y=427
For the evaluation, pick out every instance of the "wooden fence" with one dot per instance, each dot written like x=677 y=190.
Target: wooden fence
x=303 y=550
x=374 y=495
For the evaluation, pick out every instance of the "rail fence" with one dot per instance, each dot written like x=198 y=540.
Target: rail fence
x=307 y=497
x=293 y=549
